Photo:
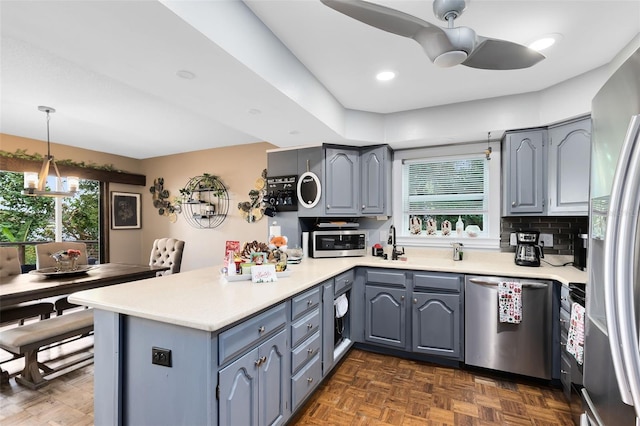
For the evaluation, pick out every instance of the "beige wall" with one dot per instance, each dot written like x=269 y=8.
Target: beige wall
x=238 y=168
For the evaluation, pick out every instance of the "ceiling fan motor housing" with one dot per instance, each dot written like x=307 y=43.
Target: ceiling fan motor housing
x=449 y=48
x=448 y=9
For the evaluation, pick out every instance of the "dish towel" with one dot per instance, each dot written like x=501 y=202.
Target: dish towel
x=510 y=302
x=575 y=339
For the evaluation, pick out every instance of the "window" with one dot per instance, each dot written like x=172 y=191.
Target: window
x=440 y=186
x=25 y=220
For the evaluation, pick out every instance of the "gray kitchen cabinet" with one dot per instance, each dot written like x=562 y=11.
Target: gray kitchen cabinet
x=375 y=181
x=569 y=166
x=253 y=388
x=524 y=172
x=436 y=324
x=385 y=316
x=342 y=181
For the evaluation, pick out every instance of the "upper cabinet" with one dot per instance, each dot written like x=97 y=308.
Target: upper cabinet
x=524 y=172
x=342 y=181
x=569 y=160
x=546 y=170
x=354 y=181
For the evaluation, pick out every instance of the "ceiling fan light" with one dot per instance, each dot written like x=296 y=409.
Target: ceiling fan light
x=450 y=59
x=544 y=42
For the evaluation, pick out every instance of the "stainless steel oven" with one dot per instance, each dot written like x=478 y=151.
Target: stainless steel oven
x=338 y=243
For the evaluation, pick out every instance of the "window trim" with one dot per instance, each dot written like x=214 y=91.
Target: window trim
x=491 y=240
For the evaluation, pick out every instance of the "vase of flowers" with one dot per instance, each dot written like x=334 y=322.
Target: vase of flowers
x=66 y=260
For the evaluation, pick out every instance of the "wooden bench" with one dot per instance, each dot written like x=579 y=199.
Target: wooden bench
x=28 y=339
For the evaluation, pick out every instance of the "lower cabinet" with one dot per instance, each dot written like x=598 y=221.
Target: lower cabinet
x=253 y=388
x=421 y=312
x=385 y=316
x=436 y=323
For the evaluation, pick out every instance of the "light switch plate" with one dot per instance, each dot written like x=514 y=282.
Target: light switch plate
x=512 y=239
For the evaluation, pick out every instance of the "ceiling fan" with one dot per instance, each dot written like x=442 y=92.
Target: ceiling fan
x=445 y=47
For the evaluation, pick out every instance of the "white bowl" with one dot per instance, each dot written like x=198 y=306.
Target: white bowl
x=473 y=230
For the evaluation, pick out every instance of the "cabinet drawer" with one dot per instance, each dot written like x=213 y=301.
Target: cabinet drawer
x=305 y=302
x=386 y=277
x=307 y=350
x=305 y=381
x=305 y=327
x=435 y=281
x=565 y=321
x=565 y=303
x=343 y=280
x=250 y=332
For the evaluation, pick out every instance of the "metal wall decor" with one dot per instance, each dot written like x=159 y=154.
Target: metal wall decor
x=205 y=201
x=161 y=200
x=254 y=209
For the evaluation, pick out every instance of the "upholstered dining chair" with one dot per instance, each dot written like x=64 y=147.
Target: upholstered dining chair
x=10 y=266
x=167 y=252
x=45 y=260
x=45 y=250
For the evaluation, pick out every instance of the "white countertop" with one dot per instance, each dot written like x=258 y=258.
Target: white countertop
x=204 y=300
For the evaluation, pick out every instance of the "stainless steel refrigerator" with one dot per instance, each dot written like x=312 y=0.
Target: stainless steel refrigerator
x=611 y=394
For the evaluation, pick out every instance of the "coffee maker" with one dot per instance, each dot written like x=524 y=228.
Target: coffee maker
x=528 y=251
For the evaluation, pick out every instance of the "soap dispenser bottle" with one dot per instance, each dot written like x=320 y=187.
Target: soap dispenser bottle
x=459 y=226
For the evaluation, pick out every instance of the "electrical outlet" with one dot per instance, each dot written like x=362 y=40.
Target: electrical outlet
x=512 y=239
x=546 y=240
x=161 y=356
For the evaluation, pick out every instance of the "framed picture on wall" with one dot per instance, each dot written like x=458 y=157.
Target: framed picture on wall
x=125 y=210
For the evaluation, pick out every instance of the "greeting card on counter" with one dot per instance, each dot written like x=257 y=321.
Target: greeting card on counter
x=233 y=246
x=264 y=273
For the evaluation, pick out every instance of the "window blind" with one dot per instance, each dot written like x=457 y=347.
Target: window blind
x=453 y=186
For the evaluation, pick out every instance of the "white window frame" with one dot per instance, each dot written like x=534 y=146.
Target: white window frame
x=489 y=239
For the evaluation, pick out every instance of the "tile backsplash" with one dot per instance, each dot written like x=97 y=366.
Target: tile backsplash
x=562 y=228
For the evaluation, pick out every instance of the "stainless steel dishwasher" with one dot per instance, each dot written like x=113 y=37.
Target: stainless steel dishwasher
x=524 y=348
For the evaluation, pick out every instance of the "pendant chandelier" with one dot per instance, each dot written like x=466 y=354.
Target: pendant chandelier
x=36 y=184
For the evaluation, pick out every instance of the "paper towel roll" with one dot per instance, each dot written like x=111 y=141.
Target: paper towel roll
x=305 y=244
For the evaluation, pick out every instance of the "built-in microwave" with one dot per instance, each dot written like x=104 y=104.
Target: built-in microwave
x=338 y=243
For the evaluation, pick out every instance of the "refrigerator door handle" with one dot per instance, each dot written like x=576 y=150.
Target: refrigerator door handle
x=616 y=277
x=624 y=262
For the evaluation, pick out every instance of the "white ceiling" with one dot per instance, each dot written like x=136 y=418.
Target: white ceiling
x=289 y=76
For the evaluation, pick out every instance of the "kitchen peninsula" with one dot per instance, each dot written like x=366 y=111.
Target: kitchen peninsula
x=207 y=330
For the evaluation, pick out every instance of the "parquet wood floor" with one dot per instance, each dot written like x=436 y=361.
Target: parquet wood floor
x=373 y=389
x=365 y=389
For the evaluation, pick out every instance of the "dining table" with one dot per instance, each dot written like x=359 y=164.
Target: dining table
x=40 y=284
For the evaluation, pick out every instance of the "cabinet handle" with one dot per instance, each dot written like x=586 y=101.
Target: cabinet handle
x=309 y=379
x=401 y=297
x=309 y=302
x=363 y=207
x=564 y=372
x=415 y=300
x=261 y=329
x=328 y=206
x=309 y=326
x=261 y=361
x=562 y=321
x=310 y=351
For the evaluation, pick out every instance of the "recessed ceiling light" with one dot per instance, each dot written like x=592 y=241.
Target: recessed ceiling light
x=544 y=42
x=187 y=75
x=385 y=75
x=254 y=111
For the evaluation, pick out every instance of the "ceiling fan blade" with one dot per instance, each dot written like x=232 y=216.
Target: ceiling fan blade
x=495 y=54
x=382 y=17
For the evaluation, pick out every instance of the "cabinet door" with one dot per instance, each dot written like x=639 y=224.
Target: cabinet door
x=569 y=166
x=328 y=315
x=436 y=324
x=273 y=380
x=373 y=189
x=525 y=173
x=385 y=316
x=342 y=168
x=238 y=383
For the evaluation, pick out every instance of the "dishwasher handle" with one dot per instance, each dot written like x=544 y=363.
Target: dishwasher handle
x=496 y=281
